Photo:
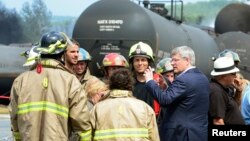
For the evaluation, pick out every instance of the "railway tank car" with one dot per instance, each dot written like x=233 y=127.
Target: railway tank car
x=238 y=42
x=114 y=26
x=10 y=68
x=232 y=25
x=233 y=17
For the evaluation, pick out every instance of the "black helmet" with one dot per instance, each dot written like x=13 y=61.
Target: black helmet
x=52 y=43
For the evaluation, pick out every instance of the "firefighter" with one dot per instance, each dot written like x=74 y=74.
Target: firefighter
x=70 y=56
x=94 y=87
x=112 y=62
x=165 y=68
x=140 y=58
x=121 y=117
x=81 y=68
x=47 y=102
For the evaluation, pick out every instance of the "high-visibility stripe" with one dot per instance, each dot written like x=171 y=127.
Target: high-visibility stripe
x=17 y=135
x=43 y=106
x=86 y=136
x=121 y=133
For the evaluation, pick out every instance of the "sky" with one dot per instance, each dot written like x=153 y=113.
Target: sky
x=57 y=7
x=62 y=7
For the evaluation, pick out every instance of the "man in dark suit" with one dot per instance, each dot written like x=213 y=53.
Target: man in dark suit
x=186 y=99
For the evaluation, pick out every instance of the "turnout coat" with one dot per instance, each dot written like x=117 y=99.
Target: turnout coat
x=48 y=106
x=122 y=117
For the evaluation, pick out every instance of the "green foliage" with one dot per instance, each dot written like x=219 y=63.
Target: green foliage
x=10 y=25
x=204 y=12
x=31 y=23
x=36 y=20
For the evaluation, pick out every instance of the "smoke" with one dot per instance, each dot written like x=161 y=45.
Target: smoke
x=208 y=22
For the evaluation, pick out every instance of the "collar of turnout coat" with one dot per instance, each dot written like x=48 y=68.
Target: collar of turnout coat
x=120 y=93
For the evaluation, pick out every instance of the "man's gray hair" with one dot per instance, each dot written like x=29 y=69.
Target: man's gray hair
x=185 y=52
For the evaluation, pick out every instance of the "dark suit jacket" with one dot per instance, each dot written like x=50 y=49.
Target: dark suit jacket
x=187 y=104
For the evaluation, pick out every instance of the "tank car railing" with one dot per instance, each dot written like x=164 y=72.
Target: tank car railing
x=152 y=5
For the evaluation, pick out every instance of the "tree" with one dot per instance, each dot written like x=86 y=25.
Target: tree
x=36 y=20
x=10 y=27
x=204 y=12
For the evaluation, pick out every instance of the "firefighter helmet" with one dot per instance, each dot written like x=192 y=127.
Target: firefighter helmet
x=114 y=59
x=52 y=43
x=230 y=53
x=83 y=55
x=164 y=66
x=141 y=49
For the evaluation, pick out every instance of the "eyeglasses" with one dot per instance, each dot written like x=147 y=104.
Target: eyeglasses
x=177 y=60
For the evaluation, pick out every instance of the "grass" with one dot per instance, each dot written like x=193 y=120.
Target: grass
x=4 y=109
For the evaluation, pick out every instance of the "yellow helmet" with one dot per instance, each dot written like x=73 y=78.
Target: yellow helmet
x=141 y=49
